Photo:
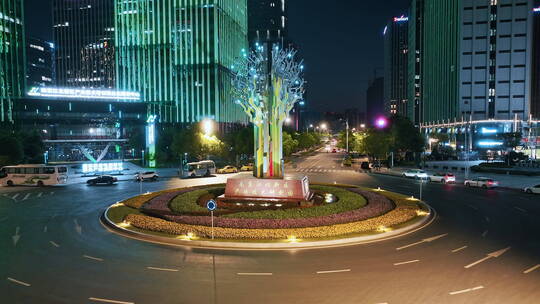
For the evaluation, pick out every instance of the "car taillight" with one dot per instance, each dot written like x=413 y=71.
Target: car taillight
x=490 y=183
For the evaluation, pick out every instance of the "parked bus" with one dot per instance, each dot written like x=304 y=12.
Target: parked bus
x=38 y=175
x=203 y=168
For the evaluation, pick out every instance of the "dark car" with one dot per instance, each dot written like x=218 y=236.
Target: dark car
x=103 y=179
x=365 y=166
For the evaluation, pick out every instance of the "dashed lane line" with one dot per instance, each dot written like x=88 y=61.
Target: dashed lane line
x=465 y=290
x=520 y=209
x=406 y=262
x=93 y=258
x=531 y=269
x=254 y=273
x=26 y=196
x=15 y=196
x=484 y=234
x=109 y=301
x=332 y=271
x=54 y=244
x=162 y=269
x=459 y=249
x=18 y=282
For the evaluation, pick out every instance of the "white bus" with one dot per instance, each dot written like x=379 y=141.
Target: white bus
x=202 y=168
x=39 y=175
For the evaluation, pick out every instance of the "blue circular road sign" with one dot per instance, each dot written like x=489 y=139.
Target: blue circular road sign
x=211 y=205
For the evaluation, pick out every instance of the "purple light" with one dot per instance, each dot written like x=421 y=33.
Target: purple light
x=536 y=9
x=381 y=122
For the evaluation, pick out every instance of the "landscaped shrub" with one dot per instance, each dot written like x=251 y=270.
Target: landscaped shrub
x=187 y=202
x=377 y=205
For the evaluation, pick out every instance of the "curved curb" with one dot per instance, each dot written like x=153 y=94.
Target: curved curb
x=427 y=220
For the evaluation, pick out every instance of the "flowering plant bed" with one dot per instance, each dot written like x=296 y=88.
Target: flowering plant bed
x=369 y=211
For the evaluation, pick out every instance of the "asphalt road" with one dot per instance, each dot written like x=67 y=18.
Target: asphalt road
x=53 y=249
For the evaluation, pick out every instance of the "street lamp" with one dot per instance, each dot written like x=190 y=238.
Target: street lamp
x=288 y=120
x=363 y=126
x=208 y=126
x=323 y=126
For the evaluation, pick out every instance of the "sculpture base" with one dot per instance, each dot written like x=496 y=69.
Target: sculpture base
x=270 y=193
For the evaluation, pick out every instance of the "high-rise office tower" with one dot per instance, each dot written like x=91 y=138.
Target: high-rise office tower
x=375 y=100
x=178 y=54
x=396 y=65
x=495 y=59
x=416 y=47
x=83 y=32
x=268 y=21
x=535 y=68
x=39 y=63
x=12 y=61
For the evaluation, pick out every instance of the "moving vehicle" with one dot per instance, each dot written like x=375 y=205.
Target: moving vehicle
x=39 y=175
x=415 y=173
x=248 y=167
x=228 y=169
x=481 y=182
x=102 y=179
x=442 y=178
x=149 y=175
x=365 y=166
x=199 y=169
x=334 y=151
x=533 y=189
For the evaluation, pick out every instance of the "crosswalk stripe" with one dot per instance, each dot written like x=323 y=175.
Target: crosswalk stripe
x=26 y=196
x=15 y=196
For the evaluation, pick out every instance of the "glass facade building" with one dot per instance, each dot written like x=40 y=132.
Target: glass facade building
x=178 y=55
x=12 y=56
x=83 y=32
x=416 y=47
x=39 y=63
x=396 y=65
x=440 y=60
x=268 y=21
x=535 y=81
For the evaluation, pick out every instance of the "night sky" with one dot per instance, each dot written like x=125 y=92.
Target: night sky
x=340 y=40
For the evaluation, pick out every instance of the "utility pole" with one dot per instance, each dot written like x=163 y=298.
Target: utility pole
x=347 y=135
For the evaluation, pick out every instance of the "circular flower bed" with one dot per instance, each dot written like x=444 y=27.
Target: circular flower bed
x=178 y=212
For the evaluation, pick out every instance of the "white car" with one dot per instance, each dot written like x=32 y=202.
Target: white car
x=149 y=175
x=481 y=182
x=442 y=178
x=533 y=189
x=415 y=173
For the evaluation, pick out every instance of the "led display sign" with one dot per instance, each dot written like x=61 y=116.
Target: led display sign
x=79 y=93
x=401 y=19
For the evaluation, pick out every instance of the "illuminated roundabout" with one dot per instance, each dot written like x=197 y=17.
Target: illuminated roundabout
x=337 y=215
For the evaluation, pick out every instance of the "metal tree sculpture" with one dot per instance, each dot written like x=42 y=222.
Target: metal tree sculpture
x=267 y=87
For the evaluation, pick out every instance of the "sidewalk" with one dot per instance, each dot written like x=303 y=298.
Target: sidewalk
x=505 y=181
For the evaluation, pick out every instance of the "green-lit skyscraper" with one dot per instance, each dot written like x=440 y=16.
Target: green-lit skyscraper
x=434 y=32
x=178 y=53
x=12 y=62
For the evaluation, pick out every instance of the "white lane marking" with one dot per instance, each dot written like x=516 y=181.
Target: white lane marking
x=407 y=262
x=487 y=219
x=333 y=271
x=45 y=229
x=520 y=209
x=494 y=254
x=52 y=192
x=54 y=244
x=532 y=269
x=427 y=240
x=459 y=249
x=40 y=194
x=473 y=207
x=109 y=301
x=162 y=269
x=254 y=273
x=26 y=196
x=18 y=282
x=485 y=233
x=93 y=258
x=15 y=196
x=465 y=290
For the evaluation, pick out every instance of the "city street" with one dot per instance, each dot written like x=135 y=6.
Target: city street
x=483 y=247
